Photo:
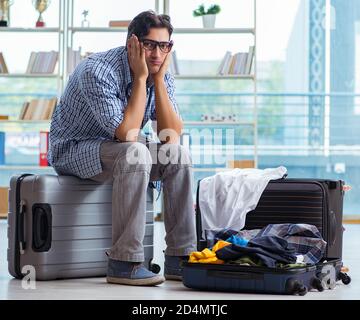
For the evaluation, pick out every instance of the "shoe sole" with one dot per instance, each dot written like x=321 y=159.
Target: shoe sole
x=137 y=282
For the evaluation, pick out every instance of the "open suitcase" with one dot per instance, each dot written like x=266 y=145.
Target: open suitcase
x=61 y=226
x=309 y=201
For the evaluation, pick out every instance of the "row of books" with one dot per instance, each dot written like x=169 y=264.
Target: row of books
x=42 y=62
x=38 y=109
x=240 y=63
x=24 y=148
x=3 y=66
x=74 y=58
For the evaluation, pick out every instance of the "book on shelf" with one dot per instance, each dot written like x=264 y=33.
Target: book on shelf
x=2 y=148
x=38 y=109
x=4 y=117
x=43 y=148
x=73 y=59
x=4 y=202
x=225 y=63
x=237 y=64
x=22 y=148
x=42 y=62
x=3 y=66
x=250 y=60
x=174 y=66
x=119 y=23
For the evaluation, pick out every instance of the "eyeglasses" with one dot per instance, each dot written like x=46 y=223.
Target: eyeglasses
x=165 y=46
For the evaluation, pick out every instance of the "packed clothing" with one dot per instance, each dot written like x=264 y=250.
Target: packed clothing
x=274 y=246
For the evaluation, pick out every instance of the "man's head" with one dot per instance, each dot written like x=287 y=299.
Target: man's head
x=154 y=32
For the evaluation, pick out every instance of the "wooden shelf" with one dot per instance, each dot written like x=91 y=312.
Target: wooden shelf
x=99 y=29
x=16 y=29
x=176 y=30
x=214 y=77
x=214 y=30
x=218 y=123
x=28 y=75
x=23 y=167
x=25 y=121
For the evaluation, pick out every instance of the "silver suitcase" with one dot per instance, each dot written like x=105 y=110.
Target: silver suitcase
x=60 y=226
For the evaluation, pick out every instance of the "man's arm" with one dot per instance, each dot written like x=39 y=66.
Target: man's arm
x=129 y=128
x=166 y=116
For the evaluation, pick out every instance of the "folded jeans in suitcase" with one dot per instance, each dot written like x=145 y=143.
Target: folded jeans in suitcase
x=61 y=226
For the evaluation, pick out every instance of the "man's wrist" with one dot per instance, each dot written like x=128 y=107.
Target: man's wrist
x=158 y=80
x=140 y=79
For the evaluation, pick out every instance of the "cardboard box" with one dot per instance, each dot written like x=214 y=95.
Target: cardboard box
x=242 y=164
x=4 y=202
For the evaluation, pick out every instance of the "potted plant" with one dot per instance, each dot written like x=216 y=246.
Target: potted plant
x=208 y=15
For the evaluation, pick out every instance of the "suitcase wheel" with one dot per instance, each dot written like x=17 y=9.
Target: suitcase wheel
x=317 y=284
x=344 y=278
x=153 y=267
x=296 y=287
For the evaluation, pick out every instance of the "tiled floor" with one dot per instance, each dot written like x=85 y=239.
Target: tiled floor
x=97 y=288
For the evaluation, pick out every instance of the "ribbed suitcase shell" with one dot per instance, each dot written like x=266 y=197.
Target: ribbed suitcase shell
x=311 y=201
x=80 y=227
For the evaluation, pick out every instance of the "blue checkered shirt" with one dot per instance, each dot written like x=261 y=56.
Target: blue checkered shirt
x=306 y=239
x=91 y=108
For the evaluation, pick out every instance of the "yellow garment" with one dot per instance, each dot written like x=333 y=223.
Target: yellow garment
x=208 y=256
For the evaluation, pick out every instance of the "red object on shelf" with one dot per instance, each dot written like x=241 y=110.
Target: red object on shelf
x=44 y=147
x=40 y=24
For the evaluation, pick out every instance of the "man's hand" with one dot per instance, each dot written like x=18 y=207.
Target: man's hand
x=136 y=55
x=161 y=73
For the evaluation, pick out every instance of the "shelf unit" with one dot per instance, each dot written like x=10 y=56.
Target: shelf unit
x=59 y=31
x=14 y=125
x=251 y=77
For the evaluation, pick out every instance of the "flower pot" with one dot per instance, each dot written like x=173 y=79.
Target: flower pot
x=209 y=20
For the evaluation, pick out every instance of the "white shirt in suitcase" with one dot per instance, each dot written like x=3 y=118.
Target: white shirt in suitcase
x=226 y=197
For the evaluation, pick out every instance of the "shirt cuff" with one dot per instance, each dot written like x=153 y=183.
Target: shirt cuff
x=113 y=124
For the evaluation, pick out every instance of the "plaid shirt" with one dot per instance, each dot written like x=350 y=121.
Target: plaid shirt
x=305 y=238
x=91 y=108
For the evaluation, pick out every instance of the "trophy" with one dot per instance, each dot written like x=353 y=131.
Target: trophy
x=85 y=23
x=41 y=6
x=4 y=12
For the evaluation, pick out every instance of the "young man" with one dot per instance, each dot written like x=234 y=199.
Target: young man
x=94 y=134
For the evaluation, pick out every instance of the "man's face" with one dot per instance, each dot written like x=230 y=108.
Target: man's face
x=155 y=58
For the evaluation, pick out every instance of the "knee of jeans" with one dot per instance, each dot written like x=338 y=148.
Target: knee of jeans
x=138 y=154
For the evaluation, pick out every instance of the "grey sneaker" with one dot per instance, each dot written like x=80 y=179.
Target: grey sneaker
x=173 y=268
x=131 y=273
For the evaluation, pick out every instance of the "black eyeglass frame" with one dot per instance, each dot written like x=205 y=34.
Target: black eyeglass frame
x=158 y=44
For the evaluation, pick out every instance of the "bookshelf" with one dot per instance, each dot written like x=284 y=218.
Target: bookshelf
x=245 y=31
x=19 y=137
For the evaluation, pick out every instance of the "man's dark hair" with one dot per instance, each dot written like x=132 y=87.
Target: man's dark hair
x=141 y=24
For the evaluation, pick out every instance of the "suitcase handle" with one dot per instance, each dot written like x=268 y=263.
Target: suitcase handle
x=20 y=226
x=236 y=275
x=42 y=224
x=332 y=235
